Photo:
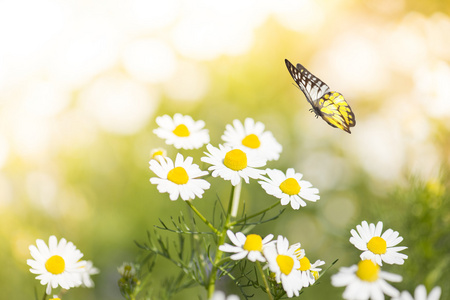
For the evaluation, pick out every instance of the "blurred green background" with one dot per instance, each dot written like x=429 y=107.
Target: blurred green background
x=81 y=83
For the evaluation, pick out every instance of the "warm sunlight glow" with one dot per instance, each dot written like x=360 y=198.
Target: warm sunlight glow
x=432 y=86
x=353 y=63
x=6 y=191
x=304 y=16
x=208 y=32
x=153 y=14
x=150 y=60
x=89 y=47
x=119 y=104
x=190 y=82
x=4 y=150
x=44 y=99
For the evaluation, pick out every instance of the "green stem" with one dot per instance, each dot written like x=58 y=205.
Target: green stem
x=235 y=203
x=199 y=214
x=195 y=244
x=45 y=295
x=256 y=214
x=265 y=280
x=234 y=197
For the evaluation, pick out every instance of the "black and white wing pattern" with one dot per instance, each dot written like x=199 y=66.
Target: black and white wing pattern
x=311 y=86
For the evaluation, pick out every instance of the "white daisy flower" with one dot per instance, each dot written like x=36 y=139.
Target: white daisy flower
x=282 y=260
x=310 y=272
x=376 y=246
x=158 y=154
x=182 y=131
x=365 y=281
x=127 y=270
x=85 y=274
x=289 y=187
x=179 y=179
x=253 y=138
x=250 y=246
x=219 y=295
x=58 y=264
x=233 y=164
x=420 y=294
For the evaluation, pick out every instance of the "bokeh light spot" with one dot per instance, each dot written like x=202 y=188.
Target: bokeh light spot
x=189 y=83
x=150 y=60
x=118 y=104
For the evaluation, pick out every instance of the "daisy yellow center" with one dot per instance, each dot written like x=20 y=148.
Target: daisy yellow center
x=56 y=298
x=235 y=159
x=55 y=264
x=253 y=243
x=178 y=175
x=315 y=274
x=181 y=131
x=251 y=141
x=377 y=245
x=368 y=270
x=305 y=264
x=286 y=263
x=157 y=153
x=290 y=186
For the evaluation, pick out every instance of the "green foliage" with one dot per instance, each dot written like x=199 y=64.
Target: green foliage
x=193 y=251
x=420 y=211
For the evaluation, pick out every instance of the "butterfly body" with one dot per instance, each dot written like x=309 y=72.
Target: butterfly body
x=329 y=105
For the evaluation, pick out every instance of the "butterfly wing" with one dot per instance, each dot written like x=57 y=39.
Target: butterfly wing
x=336 y=111
x=310 y=85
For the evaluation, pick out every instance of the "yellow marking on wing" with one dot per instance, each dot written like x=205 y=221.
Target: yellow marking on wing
x=345 y=110
x=336 y=111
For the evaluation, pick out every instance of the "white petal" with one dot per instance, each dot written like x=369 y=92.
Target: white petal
x=267 y=239
x=233 y=238
x=42 y=248
x=420 y=292
x=255 y=255
x=230 y=248
x=241 y=238
x=239 y=255
x=435 y=293
x=295 y=205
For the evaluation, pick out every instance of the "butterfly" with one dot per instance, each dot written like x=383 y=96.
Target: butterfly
x=329 y=105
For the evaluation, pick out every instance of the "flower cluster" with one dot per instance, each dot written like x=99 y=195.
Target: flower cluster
x=366 y=280
x=246 y=149
x=290 y=266
x=60 y=264
x=287 y=263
